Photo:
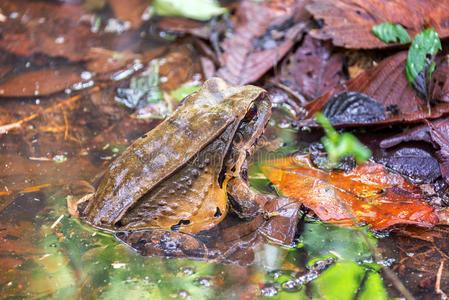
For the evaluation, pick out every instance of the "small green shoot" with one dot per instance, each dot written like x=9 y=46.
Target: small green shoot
x=340 y=145
x=420 y=59
x=201 y=10
x=388 y=32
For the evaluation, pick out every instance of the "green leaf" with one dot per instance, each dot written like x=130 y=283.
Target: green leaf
x=341 y=281
x=184 y=90
x=373 y=288
x=322 y=240
x=388 y=32
x=201 y=10
x=426 y=43
x=340 y=145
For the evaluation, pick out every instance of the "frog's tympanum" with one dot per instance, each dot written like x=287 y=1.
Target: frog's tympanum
x=180 y=175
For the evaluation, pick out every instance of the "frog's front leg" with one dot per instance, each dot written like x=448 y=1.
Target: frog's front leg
x=245 y=203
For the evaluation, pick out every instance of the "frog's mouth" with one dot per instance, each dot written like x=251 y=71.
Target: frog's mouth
x=245 y=139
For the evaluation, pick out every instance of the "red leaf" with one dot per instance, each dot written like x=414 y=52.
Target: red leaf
x=369 y=193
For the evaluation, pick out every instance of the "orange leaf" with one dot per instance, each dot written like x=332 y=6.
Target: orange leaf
x=369 y=193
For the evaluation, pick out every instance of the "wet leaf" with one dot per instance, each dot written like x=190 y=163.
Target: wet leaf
x=48 y=28
x=387 y=84
x=353 y=107
x=329 y=284
x=369 y=193
x=417 y=164
x=132 y=12
x=40 y=83
x=263 y=34
x=313 y=69
x=373 y=288
x=323 y=240
x=349 y=23
x=201 y=10
x=389 y=32
x=436 y=132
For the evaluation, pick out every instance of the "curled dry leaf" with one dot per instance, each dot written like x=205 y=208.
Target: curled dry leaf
x=263 y=34
x=349 y=22
x=387 y=84
x=312 y=70
x=369 y=194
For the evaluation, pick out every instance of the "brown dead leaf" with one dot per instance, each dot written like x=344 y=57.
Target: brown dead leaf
x=46 y=27
x=313 y=70
x=369 y=193
x=349 y=22
x=40 y=83
x=387 y=84
x=263 y=34
x=130 y=11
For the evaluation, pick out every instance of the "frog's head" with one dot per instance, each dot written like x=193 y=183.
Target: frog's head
x=250 y=128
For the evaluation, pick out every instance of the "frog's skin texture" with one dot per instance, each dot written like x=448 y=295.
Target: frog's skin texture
x=178 y=175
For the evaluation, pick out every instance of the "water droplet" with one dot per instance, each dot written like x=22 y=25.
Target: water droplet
x=183 y=294
x=269 y=291
x=204 y=281
x=187 y=270
x=291 y=286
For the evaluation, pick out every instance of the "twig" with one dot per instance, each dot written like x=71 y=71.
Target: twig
x=57 y=221
x=438 y=282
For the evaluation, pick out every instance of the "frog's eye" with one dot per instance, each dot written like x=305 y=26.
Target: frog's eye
x=251 y=112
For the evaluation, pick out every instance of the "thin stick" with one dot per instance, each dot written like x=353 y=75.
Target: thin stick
x=438 y=282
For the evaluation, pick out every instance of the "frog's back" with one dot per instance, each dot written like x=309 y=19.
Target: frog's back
x=159 y=153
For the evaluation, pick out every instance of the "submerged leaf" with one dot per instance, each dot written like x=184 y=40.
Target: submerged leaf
x=201 y=10
x=389 y=32
x=369 y=193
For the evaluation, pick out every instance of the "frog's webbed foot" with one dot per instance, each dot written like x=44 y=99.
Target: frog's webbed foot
x=163 y=243
x=245 y=203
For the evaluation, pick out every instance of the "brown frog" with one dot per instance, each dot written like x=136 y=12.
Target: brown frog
x=179 y=175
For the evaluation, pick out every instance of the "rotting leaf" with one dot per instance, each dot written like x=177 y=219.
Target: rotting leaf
x=184 y=90
x=263 y=34
x=349 y=23
x=387 y=84
x=201 y=10
x=353 y=107
x=313 y=69
x=389 y=32
x=369 y=193
x=48 y=28
x=436 y=133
